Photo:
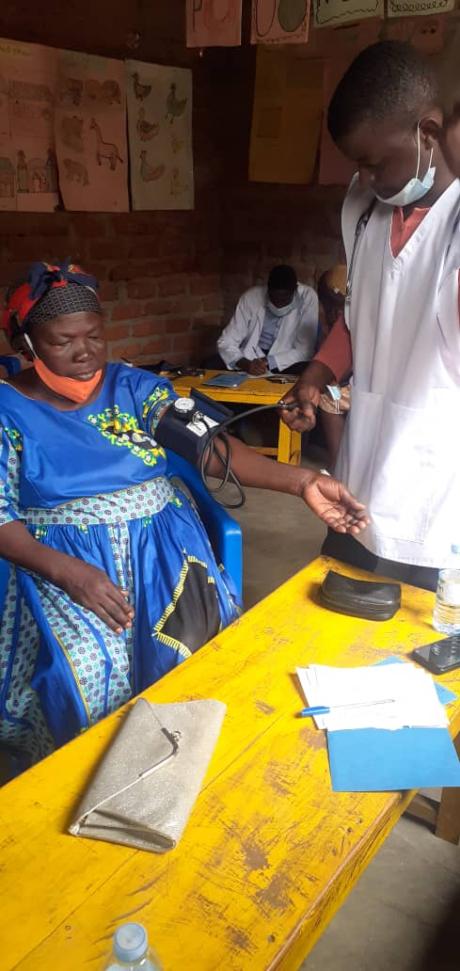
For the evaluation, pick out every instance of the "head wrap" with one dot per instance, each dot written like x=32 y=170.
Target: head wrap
x=335 y=279
x=49 y=291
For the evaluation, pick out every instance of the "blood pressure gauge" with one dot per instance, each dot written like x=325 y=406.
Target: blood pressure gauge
x=184 y=408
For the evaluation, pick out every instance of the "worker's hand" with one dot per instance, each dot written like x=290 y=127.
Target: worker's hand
x=92 y=588
x=332 y=502
x=306 y=394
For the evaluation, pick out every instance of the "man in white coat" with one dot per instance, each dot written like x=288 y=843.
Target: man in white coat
x=401 y=331
x=274 y=327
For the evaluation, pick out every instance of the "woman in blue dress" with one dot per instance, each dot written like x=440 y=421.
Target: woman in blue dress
x=110 y=580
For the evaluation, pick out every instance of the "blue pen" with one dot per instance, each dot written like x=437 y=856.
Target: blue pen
x=326 y=710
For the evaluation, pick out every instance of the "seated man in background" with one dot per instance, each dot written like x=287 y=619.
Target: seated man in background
x=274 y=327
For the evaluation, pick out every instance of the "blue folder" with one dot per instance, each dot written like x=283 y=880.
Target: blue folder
x=377 y=760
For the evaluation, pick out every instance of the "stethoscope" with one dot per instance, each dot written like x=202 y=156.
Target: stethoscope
x=360 y=227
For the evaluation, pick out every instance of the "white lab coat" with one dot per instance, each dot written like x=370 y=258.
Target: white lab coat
x=401 y=449
x=297 y=334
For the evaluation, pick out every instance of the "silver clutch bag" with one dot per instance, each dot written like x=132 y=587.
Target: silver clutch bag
x=144 y=789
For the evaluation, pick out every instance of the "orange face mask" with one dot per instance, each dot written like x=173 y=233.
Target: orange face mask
x=78 y=391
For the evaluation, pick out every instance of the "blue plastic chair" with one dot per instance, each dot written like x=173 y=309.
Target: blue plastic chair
x=224 y=532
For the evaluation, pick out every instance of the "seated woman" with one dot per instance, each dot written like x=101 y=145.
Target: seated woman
x=112 y=581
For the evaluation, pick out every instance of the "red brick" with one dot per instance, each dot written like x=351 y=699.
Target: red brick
x=144 y=247
x=109 y=249
x=142 y=288
x=177 y=326
x=89 y=225
x=154 y=346
x=160 y=306
x=132 y=270
x=172 y=286
x=188 y=305
x=185 y=342
x=205 y=284
x=34 y=248
x=118 y=332
x=147 y=326
x=128 y=350
x=126 y=311
x=213 y=302
x=109 y=291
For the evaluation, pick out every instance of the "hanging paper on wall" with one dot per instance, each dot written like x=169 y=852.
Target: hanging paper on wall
x=28 y=172
x=426 y=35
x=418 y=8
x=280 y=21
x=286 y=119
x=90 y=128
x=160 y=136
x=330 y=13
x=213 y=23
x=334 y=168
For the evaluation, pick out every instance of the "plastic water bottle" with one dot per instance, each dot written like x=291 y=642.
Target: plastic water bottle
x=446 y=614
x=131 y=951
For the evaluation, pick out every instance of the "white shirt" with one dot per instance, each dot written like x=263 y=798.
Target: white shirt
x=400 y=453
x=296 y=337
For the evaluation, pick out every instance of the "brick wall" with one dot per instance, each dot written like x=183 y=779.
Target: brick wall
x=170 y=279
x=159 y=271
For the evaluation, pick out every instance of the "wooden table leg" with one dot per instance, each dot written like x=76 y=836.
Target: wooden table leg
x=289 y=445
x=448 y=820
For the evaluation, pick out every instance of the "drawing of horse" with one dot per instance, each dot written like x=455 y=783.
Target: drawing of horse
x=105 y=150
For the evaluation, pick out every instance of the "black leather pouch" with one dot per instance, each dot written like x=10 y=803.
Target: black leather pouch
x=360 y=598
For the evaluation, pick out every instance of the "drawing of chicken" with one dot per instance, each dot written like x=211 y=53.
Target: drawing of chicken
x=146 y=129
x=141 y=91
x=176 y=143
x=149 y=173
x=175 y=107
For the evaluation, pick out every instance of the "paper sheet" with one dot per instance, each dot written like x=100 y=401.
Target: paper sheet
x=280 y=21
x=286 y=117
x=418 y=8
x=330 y=13
x=90 y=127
x=408 y=692
x=28 y=171
x=213 y=23
x=160 y=136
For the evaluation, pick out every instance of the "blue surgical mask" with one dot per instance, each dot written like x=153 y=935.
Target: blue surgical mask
x=280 y=311
x=416 y=188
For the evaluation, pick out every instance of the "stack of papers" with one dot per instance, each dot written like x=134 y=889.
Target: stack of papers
x=387 y=696
x=399 y=744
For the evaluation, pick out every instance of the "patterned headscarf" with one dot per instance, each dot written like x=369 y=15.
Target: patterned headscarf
x=49 y=291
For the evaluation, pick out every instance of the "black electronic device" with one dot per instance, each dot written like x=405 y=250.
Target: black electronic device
x=441 y=656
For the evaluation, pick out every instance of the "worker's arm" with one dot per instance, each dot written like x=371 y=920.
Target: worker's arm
x=325 y=496
x=333 y=361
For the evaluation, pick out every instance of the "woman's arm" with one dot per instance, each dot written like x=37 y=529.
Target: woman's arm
x=85 y=584
x=327 y=497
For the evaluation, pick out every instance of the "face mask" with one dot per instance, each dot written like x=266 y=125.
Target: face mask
x=280 y=311
x=78 y=391
x=416 y=188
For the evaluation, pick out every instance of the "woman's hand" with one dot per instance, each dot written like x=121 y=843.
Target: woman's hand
x=332 y=502
x=92 y=588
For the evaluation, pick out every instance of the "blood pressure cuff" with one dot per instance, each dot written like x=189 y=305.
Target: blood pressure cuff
x=187 y=434
x=360 y=598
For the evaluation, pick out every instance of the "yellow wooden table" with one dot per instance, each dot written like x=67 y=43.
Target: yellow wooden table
x=254 y=391
x=270 y=851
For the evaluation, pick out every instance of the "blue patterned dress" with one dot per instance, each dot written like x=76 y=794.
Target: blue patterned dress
x=92 y=483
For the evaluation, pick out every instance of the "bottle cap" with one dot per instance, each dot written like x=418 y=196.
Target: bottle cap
x=130 y=942
x=455 y=548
